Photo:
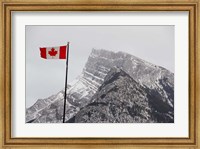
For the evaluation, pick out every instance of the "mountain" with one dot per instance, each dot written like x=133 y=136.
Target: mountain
x=158 y=82
x=147 y=74
x=121 y=99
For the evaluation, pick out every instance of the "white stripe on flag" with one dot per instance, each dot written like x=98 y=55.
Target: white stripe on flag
x=53 y=49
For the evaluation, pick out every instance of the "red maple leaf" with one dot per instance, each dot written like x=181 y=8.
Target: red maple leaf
x=53 y=52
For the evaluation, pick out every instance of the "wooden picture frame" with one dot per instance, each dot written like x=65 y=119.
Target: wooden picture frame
x=192 y=142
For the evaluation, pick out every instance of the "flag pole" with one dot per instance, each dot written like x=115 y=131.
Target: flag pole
x=65 y=96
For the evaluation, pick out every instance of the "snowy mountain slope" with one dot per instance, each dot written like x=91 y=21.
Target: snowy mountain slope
x=143 y=72
x=121 y=99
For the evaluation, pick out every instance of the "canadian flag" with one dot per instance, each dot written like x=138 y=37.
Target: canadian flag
x=53 y=52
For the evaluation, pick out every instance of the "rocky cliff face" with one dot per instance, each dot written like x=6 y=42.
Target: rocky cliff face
x=137 y=81
x=121 y=99
x=145 y=73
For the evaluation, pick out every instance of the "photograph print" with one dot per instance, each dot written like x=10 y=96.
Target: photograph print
x=100 y=74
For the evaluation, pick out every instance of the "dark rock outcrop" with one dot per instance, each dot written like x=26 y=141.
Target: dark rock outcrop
x=121 y=99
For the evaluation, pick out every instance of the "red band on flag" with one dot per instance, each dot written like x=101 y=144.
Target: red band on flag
x=62 y=52
x=43 y=53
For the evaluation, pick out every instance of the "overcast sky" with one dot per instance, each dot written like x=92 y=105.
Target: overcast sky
x=47 y=77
